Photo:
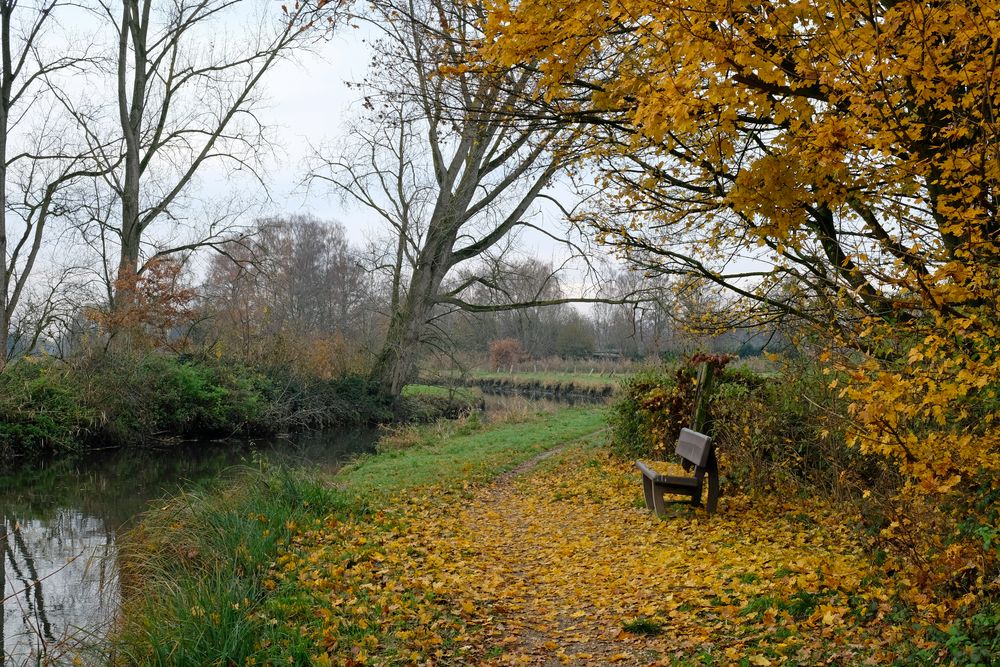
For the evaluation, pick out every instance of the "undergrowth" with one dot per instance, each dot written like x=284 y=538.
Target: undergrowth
x=770 y=431
x=50 y=407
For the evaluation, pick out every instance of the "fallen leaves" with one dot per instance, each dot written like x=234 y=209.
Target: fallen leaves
x=555 y=567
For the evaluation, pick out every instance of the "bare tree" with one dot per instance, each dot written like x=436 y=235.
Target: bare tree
x=187 y=80
x=456 y=162
x=38 y=162
x=293 y=277
x=513 y=280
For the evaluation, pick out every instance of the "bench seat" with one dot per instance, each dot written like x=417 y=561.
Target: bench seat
x=659 y=479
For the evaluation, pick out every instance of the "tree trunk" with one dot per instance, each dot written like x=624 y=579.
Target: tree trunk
x=4 y=281
x=131 y=106
x=4 y=341
x=5 y=94
x=128 y=260
x=394 y=365
x=123 y=295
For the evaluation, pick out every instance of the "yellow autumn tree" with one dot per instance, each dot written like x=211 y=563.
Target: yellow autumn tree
x=834 y=161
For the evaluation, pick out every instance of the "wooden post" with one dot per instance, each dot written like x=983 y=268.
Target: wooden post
x=706 y=379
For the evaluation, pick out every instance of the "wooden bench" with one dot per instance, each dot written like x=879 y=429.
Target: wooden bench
x=696 y=450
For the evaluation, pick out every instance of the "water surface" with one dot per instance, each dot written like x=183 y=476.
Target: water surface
x=60 y=524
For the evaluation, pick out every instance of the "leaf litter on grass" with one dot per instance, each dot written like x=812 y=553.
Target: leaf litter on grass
x=558 y=565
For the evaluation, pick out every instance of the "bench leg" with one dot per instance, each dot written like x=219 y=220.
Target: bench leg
x=713 y=494
x=647 y=491
x=658 y=505
x=713 y=484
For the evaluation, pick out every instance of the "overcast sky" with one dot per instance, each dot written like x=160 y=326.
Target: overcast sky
x=309 y=105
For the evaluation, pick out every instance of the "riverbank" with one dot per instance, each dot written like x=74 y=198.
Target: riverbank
x=198 y=584
x=61 y=524
x=51 y=408
x=558 y=385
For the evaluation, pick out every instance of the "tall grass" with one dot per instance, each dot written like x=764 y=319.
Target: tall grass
x=193 y=571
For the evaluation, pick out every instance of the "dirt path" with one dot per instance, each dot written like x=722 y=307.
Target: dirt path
x=559 y=597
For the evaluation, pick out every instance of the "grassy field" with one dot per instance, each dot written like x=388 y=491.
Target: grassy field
x=467 y=457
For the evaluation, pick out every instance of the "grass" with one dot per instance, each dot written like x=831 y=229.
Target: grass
x=642 y=626
x=426 y=403
x=194 y=571
x=582 y=378
x=474 y=456
x=470 y=394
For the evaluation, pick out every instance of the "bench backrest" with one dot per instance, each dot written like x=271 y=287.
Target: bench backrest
x=694 y=446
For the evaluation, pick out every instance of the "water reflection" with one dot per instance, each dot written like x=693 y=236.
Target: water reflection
x=59 y=584
x=59 y=572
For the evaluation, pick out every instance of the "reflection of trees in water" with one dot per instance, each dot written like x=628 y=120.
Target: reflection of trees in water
x=32 y=585
x=59 y=584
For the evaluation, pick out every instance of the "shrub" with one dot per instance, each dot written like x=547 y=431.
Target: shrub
x=653 y=406
x=788 y=429
x=769 y=430
x=202 y=398
x=160 y=394
x=506 y=352
x=42 y=410
x=48 y=406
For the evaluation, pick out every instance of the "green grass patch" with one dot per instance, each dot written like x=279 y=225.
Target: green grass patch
x=643 y=626
x=455 y=393
x=800 y=606
x=474 y=456
x=423 y=403
x=583 y=379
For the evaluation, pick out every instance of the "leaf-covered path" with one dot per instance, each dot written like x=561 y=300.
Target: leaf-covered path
x=562 y=564
x=566 y=559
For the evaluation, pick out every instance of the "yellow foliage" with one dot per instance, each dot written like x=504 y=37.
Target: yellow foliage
x=858 y=142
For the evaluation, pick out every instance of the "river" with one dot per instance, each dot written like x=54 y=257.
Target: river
x=58 y=566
